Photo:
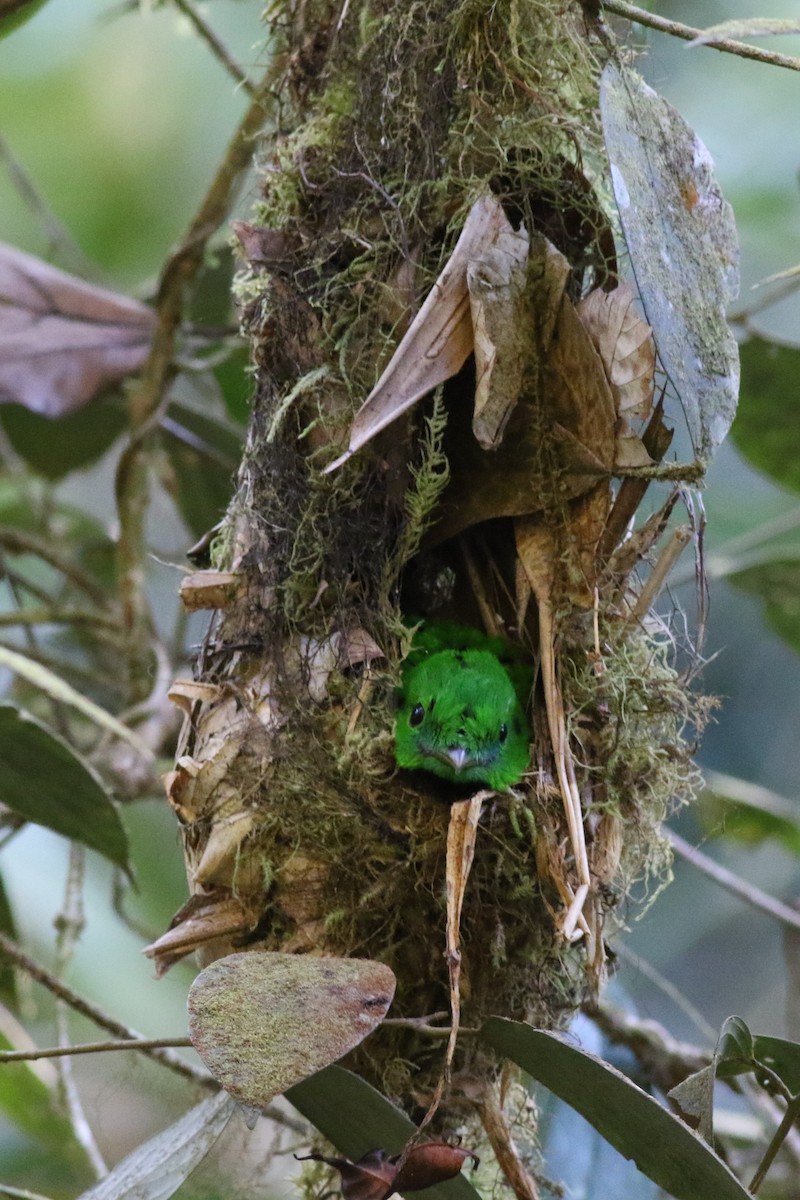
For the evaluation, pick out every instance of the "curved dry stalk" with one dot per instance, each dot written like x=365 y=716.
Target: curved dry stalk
x=493 y=1119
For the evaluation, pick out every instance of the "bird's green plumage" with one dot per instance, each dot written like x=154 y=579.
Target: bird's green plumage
x=462 y=714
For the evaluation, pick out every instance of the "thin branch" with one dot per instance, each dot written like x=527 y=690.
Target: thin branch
x=665 y=1061
x=688 y=33
x=91 y=1048
x=69 y=923
x=215 y=45
x=781 y=1133
x=20 y=1193
x=732 y=883
x=59 y=616
x=54 y=985
x=17 y=541
x=494 y=1122
x=149 y=397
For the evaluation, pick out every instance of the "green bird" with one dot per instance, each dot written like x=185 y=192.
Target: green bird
x=461 y=716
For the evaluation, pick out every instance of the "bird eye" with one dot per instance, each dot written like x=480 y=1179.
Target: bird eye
x=417 y=715
x=503 y=732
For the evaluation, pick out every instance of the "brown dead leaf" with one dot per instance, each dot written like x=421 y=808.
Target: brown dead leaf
x=202 y=919
x=439 y=340
x=629 y=449
x=264 y=247
x=625 y=344
x=63 y=341
x=573 y=403
x=377 y=1176
x=503 y=332
x=208 y=589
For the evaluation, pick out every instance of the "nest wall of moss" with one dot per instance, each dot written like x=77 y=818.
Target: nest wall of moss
x=396 y=122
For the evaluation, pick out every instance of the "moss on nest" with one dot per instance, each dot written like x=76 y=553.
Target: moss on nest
x=417 y=109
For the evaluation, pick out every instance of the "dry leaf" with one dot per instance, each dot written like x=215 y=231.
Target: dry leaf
x=200 y=920
x=629 y=449
x=502 y=328
x=573 y=399
x=377 y=1176
x=439 y=340
x=208 y=589
x=63 y=341
x=625 y=344
x=264 y=1021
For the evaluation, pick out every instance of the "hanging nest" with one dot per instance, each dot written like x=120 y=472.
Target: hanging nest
x=403 y=129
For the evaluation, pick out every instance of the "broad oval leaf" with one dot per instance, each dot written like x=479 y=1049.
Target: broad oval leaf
x=63 y=340
x=635 y=1124
x=777 y=585
x=45 y=781
x=682 y=242
x=156 y=1169
x=782 y=1057
x=262 y=1021
x=766 y=430
x=355 y=1118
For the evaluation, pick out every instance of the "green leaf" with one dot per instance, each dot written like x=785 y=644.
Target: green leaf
x=45 y=781
x=635 y=1124
x=681 y=237
x=204 y=454
x=53 y=685
x=748 y=812
x=31 y=1105
x=766 y=430
x=156 y=1169
x=777 y=585
x=8 y=982
x=14 y=13
x=356 y=1118
x=734 y=1052
x=54 y=446
x=782 y=1057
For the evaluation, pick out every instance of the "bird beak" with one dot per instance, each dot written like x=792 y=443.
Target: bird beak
x=458 y=756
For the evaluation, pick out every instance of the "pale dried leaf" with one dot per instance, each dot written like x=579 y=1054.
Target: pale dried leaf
x=575 y=400
x=63 y=341
x=501 y=322
x=263 y=1021
x=462 y=835
x=203 y=918
x=629 y=449
x=185 y=693
x=439 y=340
x=681 y=237
x=625 y=344
x=156 y=1169
x=208 y=589
x=223 y=846
x=358 y=647
x=536 y=551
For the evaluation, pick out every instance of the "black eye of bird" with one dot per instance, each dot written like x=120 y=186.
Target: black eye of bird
x=417 y=715
x=503 y=732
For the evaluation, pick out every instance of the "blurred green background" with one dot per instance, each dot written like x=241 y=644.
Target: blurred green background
x=119 y=115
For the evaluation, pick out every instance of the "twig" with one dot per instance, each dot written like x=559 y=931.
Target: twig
x=87 y=1009
x=688 y=33
x=732 y=883
x=58 y=236
x=658 y=576
x=59 y=616
x=149 y=397
x=493 y=1119
x=780 y=1134
x=17 y=541
x=20 y=1193
x=215 y=45
x=69 y=925
x=91 y=1048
